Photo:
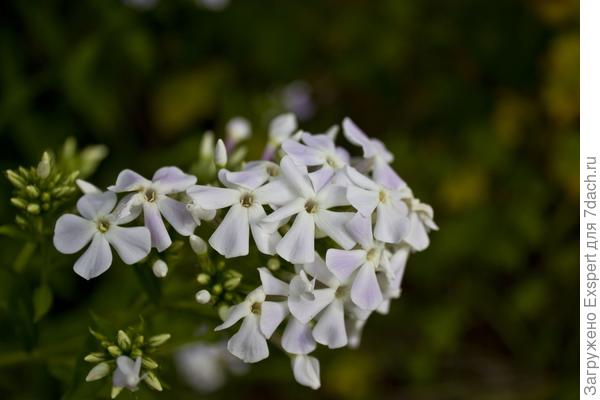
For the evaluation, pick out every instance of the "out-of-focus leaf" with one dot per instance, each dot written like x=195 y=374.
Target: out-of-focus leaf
x=42 y=301
x=24 y=256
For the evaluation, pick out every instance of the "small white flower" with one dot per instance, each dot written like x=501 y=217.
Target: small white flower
x=127 y=374
x=307 y=371
x=391 y=288
x=377 y=156
x=152 y=198
x=421 y=222
x=245 y=195
x=311 y=208
x=160 y=269
x=280 y=129
x=99 y=226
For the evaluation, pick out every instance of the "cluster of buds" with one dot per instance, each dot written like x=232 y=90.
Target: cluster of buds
x=128 y=358
x=220 y=286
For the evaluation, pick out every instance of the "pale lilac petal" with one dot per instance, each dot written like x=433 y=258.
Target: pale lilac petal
x=344 y=262
x=321 y=142
x=128 y=181
x=332 y=196
x=321 y=177
x=272 y=286
x=212 y=198
x=331 y=329
x=177 y=214
x=272 y=315
x=356 y=136
x=248 y=179
x=158 y=232
x=297 y=338
x=393 y=223
x=382 y=152
x=87 y=187
x=249 y=344
x=361 y=230
x=354 y=328
x=131 y=243
x=172 y=180
x=234 y=314
x=128 y=208
x=303 y=154
x=276 y=192
x=94 y=205
x=360 y=180
x=298 y=244
x=232 y=236
x=365 y=201
x=297 y=177
x=342 y=154
x=366 y=292
x=305 y=310
x=398 y=265
x=96 y=259
x=334 y=225
x=386 y=176
x=266 y=238
x=72 y=232
x=417 y=236
x=318 y=269
x=285 y=211
x=307 y=371
x=282 y=127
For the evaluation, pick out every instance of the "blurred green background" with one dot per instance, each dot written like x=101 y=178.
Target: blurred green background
x=479 y=100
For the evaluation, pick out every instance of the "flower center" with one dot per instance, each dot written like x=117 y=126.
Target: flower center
x=256 y=308
x=150 y=195
x=103 y=225
x=311 y=206
x=383 y=196
x=332 y=162
x=273 y=170
x=246 y=200
x=341 y=292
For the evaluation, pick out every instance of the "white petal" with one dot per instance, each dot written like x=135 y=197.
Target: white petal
x=276 y=192
x=392 y=222
x=361 y=230
x=128 y=208
x=344 y=262
x=266 y=239
x=248 y=179
x=334 y=225
x=297 y=338
x=417 y=236
x=355 y=327
x=285 y=211
x=72 y=232
x=365 y=201
x=332 y=196
x=386 y=176
x=307 y=371
x=303 y=154
x=318 y=269
x=282 y=127
x=297 y=177
x=321 y=142
x=232 y=236
x=271 y=285
x=172 y=180
x=94 y=205
x=272 y=315
x=128 y=181
x=96 y=259
x=131 y=243
x=357 y=137
x=87 y=187
x=158 y=232
x=366 y=292
x=360 y=180
x=321 y=177
x=234 y=314
x=176 y=213
x=305 y=310
x=298 y=244
x=248 y=344
x=331 y=329
x=212 y=198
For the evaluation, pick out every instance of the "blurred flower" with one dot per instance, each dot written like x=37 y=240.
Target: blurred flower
x=281 y=128
x=237 y=130
x=297 y=99
x=307 y=371
x=127 y=374
x=213 y=5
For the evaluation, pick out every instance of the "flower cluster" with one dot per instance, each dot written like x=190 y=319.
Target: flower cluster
x=335 y=229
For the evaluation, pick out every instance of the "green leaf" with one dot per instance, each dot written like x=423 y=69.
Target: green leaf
x=24 y=256
x=42 y=301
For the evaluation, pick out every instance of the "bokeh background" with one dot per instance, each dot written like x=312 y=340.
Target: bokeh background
x=479 y=100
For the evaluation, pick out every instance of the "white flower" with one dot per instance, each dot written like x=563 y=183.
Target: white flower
x=306 y=371
x=391 y=288
x=260 y=320
x=245 y=195
x=127 y=374
x=377 y=156
x=371 y=258
x=280 y=129
x=421 y=222
x=237 y=130
x=318 y=151
x=311 y=208
x=152 y=198
x=98 y=225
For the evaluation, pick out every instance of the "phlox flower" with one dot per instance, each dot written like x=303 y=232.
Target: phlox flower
x=306 y=371
x=281 y=128
x=152 y=198
x=311 y=208
x=100 y=225
x=391 y=287
x=127 y=374
x=421 y=222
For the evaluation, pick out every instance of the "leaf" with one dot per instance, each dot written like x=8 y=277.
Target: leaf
x=24 y=256
x=42 y=301
x=12 y=231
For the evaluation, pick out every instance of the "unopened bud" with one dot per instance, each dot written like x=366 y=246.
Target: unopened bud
x=123 y=340
x=95 y=357
x=273 y=263
x=207 y=146
x=15 y=179
x=223 y=312
x=33 y=208
x=232 y=279
x=220 y=154
x=149 y=363
x=135 y=353
x=19 y=203
x=114 y=392
x=198 y=245
x=152 y=381
x=203 y=279
x=217 y=289
x=203 y=296
x=98 y=372
x=237 y=129
x=158 y=340
x=32 y=191
x=97 y=335
x=114 y=351
x=43 y=167
x=160 y=268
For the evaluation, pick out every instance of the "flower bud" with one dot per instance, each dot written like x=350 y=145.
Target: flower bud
x=33 y=208
x=273 y=264
x=19 y=203
x=237 y=129
x=123 y=340
x=220 y=154
x=97 y=335
x=149 y=363
x=152 y=381
x=198 y=245
x=207 y=146
x=138 y=341
x=135 y=353
x=114 y=392
x=114 y=351
x=95 y=357
x=232 y=279
x=203 y=296
x=223 y=311
x=15 y=179
x=43 y=167
x=160 y=268
x=158 y=340
x=32 y=191
x=203 y=279
x=217 y=289
x=98 y=372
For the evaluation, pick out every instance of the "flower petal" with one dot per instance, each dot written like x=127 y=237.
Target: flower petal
x=247 y=179
x=213 y=198
x=94 y=205
x=285 y=211
x=332 y=196
x=282 y=127
x=297 y=177
x=386 y=176
x=344 y=262
x=177 y=214
x=232 y=236
x=297 y=338
x=128 y=181
x=321 y=142
x=272 y=315
x=96 y=259
x=365 y=201
x=305 y=310
x=72 y=232
x=234 y=314
x=361 y=230
x=307 y=371
x=356 y=136
x=266 y=239
x=334 y=225
x=158 y=232
x=271 y=285
x=366 y=292
x=417 y=236
x=303 y=154
x=131 y=243
x=318 y=269
x=392 y=223
x=172 y=180
x=321 y=177
x=360 y=180
x=276 y=192
x=331 y=329
x=248 y=344
x=298 y=244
